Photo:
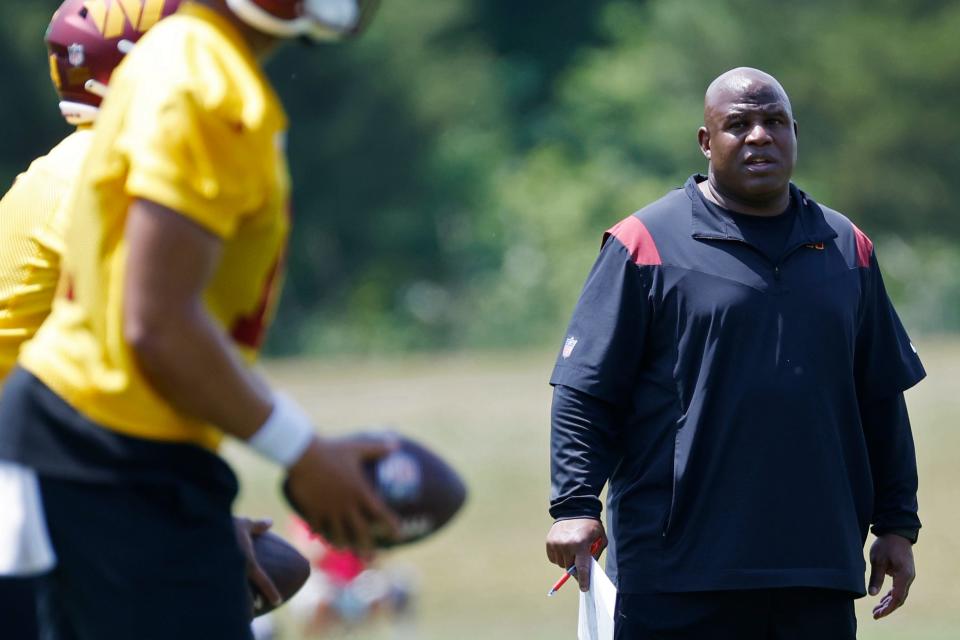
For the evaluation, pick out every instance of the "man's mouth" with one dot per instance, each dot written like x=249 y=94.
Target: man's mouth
x=759 y=161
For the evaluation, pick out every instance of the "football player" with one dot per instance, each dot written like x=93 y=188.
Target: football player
x=81 y=58
x=174 y=250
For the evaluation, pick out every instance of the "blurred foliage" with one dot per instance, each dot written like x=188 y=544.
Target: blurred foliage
x=455 y=168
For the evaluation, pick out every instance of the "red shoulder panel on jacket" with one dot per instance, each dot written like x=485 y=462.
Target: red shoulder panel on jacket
x=634 y=235
x=864 y=247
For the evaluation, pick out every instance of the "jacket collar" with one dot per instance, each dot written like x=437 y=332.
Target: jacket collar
x=714 y=224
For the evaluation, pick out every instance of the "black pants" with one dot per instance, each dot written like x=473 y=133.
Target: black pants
x=763 y=614
x=131 y=563
x=18 y=609
x=142 y=530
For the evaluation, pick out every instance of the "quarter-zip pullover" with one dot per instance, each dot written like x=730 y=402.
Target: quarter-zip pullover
x=741 y=454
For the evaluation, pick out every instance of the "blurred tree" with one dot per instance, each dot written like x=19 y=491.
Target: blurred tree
x=871 y=86
x=453 y=170
x=535 y=43
x=32 y=122
x=390 y=150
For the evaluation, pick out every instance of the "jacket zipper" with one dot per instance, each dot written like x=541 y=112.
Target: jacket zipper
x=776 y=265
x=674 y=490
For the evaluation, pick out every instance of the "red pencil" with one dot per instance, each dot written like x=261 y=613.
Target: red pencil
x=569 y=572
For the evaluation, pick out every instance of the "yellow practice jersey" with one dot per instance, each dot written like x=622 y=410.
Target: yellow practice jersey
x=191 y=123
x=31 y=241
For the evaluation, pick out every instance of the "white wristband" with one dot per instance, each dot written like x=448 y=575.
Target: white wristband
x=285 y=435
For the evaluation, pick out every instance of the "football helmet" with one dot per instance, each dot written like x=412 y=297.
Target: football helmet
x=317 y=20
x=87 y=39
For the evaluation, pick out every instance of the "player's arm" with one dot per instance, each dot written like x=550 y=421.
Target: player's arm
x=582 y=456
x=188 y=360
x=179 y=348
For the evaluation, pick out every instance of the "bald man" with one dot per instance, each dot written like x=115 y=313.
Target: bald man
x=735 y=370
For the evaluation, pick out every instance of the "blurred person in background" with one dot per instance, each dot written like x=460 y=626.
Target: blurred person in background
x=349 y=591
x=735 y=369
x=170 y=268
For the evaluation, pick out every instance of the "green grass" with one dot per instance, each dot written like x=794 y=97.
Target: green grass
x=486 y=575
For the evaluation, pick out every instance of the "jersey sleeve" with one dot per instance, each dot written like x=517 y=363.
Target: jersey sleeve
x=885 y=361
x=187 y=156
x=604 y=343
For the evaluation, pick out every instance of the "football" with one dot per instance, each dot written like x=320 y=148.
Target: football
x=419 y=487
x=416 y=484
x=283 y=564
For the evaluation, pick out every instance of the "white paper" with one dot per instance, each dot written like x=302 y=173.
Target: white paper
x=596 y=606
x=24 y=544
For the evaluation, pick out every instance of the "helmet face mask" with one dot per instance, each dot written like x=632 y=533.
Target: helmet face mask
x=87 y=39
x=318 y=20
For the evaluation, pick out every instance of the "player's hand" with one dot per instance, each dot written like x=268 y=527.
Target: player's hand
x=569 y=542
x=329 y=489
x=246 y=530
x=891 y=555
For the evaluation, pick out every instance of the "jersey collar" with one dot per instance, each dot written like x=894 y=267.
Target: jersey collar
x=714 y=224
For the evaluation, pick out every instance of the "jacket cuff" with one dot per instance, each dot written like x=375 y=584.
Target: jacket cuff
x=576 y=507
x=909 y=534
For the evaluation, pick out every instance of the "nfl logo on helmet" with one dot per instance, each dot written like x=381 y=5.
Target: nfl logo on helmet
x=75 y=55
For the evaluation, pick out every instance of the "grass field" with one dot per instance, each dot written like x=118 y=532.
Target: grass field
x=486 y=576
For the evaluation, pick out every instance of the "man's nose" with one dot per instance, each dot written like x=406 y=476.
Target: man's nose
x=758 y=135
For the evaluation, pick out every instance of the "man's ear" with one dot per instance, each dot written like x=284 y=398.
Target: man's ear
x=796 y=129
x=703 y=137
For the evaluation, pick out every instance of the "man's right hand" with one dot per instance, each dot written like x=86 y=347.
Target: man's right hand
x=329 y=489
x=569 y=542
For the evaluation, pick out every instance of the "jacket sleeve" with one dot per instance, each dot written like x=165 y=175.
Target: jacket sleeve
x=885 y=365
x=583 y=452
x=885 y=362
x=593 y=379
x=889 y=439
x=604 y=344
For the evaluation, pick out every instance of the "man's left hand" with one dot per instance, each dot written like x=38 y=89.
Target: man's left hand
x=246 y=530
x=891 y=555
